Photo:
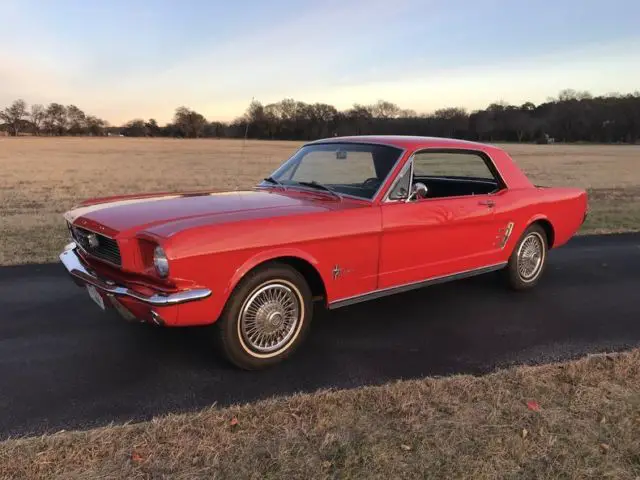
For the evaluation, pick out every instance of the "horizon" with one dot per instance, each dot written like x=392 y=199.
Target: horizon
x=121 y=61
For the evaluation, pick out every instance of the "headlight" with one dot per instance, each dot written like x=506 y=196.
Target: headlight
x=160 y=261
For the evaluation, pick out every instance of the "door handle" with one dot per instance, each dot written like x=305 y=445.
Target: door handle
x=488 y=203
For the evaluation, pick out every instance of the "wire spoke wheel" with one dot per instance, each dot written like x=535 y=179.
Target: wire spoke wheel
x=530 y=256
x=270 y=317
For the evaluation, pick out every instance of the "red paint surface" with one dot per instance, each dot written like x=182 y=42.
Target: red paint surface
x=214 y=239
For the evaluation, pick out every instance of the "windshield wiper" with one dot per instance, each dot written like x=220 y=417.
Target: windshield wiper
x=275 y=182
x=320 y=186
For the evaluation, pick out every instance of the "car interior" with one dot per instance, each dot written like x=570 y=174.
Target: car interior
x=447 y=174
x=439 y=187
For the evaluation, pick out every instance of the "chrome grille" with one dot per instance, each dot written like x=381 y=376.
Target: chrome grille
x=97 y=245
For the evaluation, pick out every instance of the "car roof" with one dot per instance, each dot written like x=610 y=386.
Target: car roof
x=407 y=142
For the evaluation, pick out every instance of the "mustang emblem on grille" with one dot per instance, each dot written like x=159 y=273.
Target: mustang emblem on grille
x=92 y=240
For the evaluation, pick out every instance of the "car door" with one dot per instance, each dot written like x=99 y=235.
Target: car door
x=443 y=235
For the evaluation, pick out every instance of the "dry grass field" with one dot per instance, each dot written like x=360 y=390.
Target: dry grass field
x=575 y=420
x=40 y=178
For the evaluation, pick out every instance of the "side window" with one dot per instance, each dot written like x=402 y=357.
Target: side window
x=453 y=165
x=453 y=174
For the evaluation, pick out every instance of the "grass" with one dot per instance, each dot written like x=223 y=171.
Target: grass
x=573 y=420
x=40 y=178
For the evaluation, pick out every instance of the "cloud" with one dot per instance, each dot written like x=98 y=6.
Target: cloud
x=599 y=68
x=340 y=52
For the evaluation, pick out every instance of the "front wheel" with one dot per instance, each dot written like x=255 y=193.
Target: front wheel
x=528 y=260
x=266 y=318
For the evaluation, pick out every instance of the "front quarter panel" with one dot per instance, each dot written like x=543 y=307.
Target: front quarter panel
x=219 y=256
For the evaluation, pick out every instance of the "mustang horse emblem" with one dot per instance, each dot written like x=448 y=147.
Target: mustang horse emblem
x=92 y=240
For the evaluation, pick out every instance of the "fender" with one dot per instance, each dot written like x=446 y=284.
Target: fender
x=266 y=256
x=519 y=229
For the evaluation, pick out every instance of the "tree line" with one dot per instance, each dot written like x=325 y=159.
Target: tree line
x=54 y=119
x=573 y=116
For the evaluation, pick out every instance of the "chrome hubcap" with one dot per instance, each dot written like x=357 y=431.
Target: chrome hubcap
x=530 y=256
x=270 y=317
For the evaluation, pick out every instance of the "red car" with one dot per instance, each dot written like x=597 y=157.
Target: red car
x=342 y=221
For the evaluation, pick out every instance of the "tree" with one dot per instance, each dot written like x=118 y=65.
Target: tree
x=37 y=115
x=451 y=122
x=152 y=128
x=189 y=122
x=358 y=120
x=135 y=128
x=384 y=109
x=572 y=116
x=14 y=116
x=76 y=119
x=55 y=121
x=95 y=126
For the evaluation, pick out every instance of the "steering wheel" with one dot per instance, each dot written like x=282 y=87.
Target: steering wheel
x=371 y=182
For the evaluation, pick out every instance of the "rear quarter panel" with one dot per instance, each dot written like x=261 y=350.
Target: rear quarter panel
x=563 y=208
x=524 y=203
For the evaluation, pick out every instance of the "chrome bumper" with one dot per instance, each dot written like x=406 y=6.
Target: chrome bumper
x=74 y=266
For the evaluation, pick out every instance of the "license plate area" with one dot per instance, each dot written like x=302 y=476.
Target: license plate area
x=95 y=296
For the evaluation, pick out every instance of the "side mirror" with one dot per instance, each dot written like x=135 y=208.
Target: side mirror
x=418 y=190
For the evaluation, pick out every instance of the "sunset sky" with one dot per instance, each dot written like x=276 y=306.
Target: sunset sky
x=121 y=60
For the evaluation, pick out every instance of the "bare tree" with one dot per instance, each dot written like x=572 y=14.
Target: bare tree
x=190 y=122
x=15 y=116
x=76 y=119
x=95 y=126
x=384 y=109
x=55 y=121
x=37 y=115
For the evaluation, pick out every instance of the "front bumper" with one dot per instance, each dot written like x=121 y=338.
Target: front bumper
x=79 y=271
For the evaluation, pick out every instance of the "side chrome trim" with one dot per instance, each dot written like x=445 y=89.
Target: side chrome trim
x=76 y=269
x=415 y=285
x=408 y=165
x=329 y=141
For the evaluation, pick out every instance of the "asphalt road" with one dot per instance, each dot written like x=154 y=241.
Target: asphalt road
x=64 y=364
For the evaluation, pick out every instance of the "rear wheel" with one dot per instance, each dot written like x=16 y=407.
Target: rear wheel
x=266 y=318
x=528 y=260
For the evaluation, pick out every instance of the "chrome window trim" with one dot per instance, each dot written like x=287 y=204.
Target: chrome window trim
x=408 y=164
x=469 y=179
x=383 y=292
x=402 y=153
x=480 y=153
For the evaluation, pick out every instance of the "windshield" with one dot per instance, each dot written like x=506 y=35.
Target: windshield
x=345 y=168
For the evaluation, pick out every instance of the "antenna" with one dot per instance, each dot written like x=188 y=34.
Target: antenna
x=244 y=142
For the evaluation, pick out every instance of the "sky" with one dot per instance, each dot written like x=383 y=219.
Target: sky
x=121 y=60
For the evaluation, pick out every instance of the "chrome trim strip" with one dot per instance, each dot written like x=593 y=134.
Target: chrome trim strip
x=104 y=260
x=90 y=230
x=325 y=141
x=414 y=285
x=474 y=151
x=407 y=164
x=303 y=188
x=386 y=179
x=74 y=266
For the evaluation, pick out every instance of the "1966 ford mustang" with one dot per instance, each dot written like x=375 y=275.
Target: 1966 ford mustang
x=343 y=220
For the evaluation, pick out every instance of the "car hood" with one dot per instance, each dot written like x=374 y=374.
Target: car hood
x=131 y=214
